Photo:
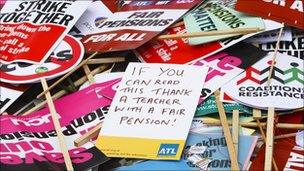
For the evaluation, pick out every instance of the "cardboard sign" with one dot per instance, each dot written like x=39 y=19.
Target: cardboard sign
x=64 y=58
x=180 y=52
x=92 y=18
x=216 y=152
x=24 y=146
x=8 y=94
x=136 y=23
x=24 y=24
x=286 y=89
x=287 y=11
x=295 y=47
x=151 y=101
x=212 y=16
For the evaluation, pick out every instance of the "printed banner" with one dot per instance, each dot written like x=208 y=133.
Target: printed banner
x=212 y=16
x=151 y=100
x=10 y=93
x=216 y=152
x=24 y=146
x=295 y=47
x=136 y=23
x=24 y=24
x=64 y=58
x=180 y=52
x=287 y=11
x=286 y=89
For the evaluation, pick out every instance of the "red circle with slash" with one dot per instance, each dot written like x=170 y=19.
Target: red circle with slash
x=64 y=58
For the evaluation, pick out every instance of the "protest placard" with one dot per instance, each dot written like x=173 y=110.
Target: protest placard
x=135 y=24
x=25 y=23
x=152 y=100
x=212 y=16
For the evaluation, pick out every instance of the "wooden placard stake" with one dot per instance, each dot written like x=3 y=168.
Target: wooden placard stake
x=270 y=113
x=88 y=135
x=63 y=147
x=106 y=60
x=269 y=139
x=235 y=130
x=237 y=31
x=285 y=136
x=68 y=74
x=257 y=114
x=275 y=56
x=227 y=134
x=87 y=71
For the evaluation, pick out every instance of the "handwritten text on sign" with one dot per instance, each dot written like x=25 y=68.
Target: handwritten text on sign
x=154 y=98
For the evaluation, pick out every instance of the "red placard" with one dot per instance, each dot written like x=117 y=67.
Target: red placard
x=31 y=30
x=136 y=23
x=288 y=11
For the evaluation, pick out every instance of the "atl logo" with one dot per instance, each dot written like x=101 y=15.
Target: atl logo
x=168 y=149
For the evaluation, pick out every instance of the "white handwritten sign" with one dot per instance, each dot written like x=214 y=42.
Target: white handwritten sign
x=152 y=111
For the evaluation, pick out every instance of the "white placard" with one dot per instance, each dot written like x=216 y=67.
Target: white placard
x=165 y=93
x=285 y=91
x=152 y=110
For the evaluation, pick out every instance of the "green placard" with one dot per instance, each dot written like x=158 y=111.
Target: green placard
x=209 y=107
x=212 y=16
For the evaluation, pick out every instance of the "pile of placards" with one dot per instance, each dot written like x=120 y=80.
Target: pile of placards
x=158 y=85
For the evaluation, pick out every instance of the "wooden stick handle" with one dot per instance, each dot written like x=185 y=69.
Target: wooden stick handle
x=87 y=71
x=106 y=60
x=257 y=115
x=285 y=136
x=269 y=139
x=274 y=56
x=68 y=74
x=235 y=130
x=88 y=135
x=63 y=147
x=238 y=31
x=223 y=118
